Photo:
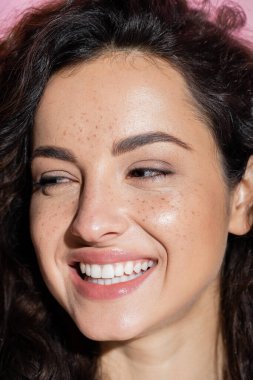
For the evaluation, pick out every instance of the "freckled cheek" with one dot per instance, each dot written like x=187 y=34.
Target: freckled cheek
x=50 y=218
x=184 y=220
x=155 y=211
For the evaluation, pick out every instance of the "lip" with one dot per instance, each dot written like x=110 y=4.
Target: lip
x=104 y=256
x=107 y=292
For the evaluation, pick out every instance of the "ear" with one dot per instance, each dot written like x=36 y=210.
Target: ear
x=241 y=214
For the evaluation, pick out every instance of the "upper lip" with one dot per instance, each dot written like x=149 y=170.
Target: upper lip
x=105 y=256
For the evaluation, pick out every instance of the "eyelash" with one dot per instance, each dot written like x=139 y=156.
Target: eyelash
x=139 y=173
x=49 y=181
x=155 y=173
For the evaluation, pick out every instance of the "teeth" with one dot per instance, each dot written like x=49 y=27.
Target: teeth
x=129 y=267
x=144 y=266
x=95 y=271
x=114 y=271
x=137 y=268
x=107 y=271
x=119 y=270
x=82 y=267
x=87 y=269
x=115 y=280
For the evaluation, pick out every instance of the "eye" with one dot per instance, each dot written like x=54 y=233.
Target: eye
x=51 y=184
x=149 y=173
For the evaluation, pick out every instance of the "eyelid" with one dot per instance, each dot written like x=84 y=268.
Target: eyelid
x=52 y=179
x=55 y=173
x=158 y=165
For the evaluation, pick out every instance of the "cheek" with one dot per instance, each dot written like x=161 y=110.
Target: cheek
x=50 y=217
x=190 y=230
x=49 y=221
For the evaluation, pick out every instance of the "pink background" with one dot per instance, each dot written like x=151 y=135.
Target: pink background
x=10 y=9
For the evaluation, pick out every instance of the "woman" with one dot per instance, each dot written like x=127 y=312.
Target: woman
x=126 y=147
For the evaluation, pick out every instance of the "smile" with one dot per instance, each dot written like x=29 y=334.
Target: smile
x=115 y=273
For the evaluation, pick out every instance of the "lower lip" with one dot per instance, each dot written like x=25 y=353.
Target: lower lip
x=107 y=292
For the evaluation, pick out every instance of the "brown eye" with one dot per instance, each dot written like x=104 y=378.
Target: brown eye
x=148 y=173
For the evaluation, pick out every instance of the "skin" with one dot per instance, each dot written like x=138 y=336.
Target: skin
x=181 y=219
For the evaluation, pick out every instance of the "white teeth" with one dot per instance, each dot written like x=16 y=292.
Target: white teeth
x=137 y=268
x=144 y=265
x=117 y=270
x=95 y=271
x=82 y=267
x=129 y=267
x=88 y=269
x=115 y=280
x=107 y=271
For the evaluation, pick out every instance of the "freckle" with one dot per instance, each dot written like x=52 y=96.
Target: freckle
x=88 y=139
x=64 y=133
x=162 y=199
x=96 y=127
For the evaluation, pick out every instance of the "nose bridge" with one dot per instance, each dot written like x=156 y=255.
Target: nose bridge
x=96 y=196
x=99 y=215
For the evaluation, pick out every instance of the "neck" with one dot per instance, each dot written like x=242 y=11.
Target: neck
x=189 y=349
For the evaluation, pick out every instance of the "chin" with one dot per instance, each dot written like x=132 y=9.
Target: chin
x=102 y=332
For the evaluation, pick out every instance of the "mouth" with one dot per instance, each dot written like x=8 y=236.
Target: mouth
x=110 y=274
x=110 y=280
x=106 y=274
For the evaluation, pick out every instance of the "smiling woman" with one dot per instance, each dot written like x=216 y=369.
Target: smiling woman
x=126 y=146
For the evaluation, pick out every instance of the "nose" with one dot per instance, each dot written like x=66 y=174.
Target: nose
x=100 y=216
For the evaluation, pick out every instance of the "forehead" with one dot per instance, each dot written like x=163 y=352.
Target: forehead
x=118 y=94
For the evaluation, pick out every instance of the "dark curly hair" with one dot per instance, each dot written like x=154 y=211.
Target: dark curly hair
x=38 y=341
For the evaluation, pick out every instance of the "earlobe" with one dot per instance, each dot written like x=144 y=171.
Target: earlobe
x=241 y=211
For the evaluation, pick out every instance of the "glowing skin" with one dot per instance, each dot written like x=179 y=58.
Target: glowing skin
x=180 y=220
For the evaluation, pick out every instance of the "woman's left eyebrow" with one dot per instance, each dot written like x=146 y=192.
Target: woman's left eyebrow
x=130 y=143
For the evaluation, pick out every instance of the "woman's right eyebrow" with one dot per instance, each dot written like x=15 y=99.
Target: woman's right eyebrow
x=54 y=152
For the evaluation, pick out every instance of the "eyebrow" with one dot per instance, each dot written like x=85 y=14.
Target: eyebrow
x=122 y=146
x=130 y=143
x=54 y=152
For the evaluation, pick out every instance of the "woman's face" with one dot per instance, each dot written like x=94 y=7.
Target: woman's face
x=126 y=176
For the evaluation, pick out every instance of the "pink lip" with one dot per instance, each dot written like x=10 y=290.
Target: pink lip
x=106 y=292
x=104 y=256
